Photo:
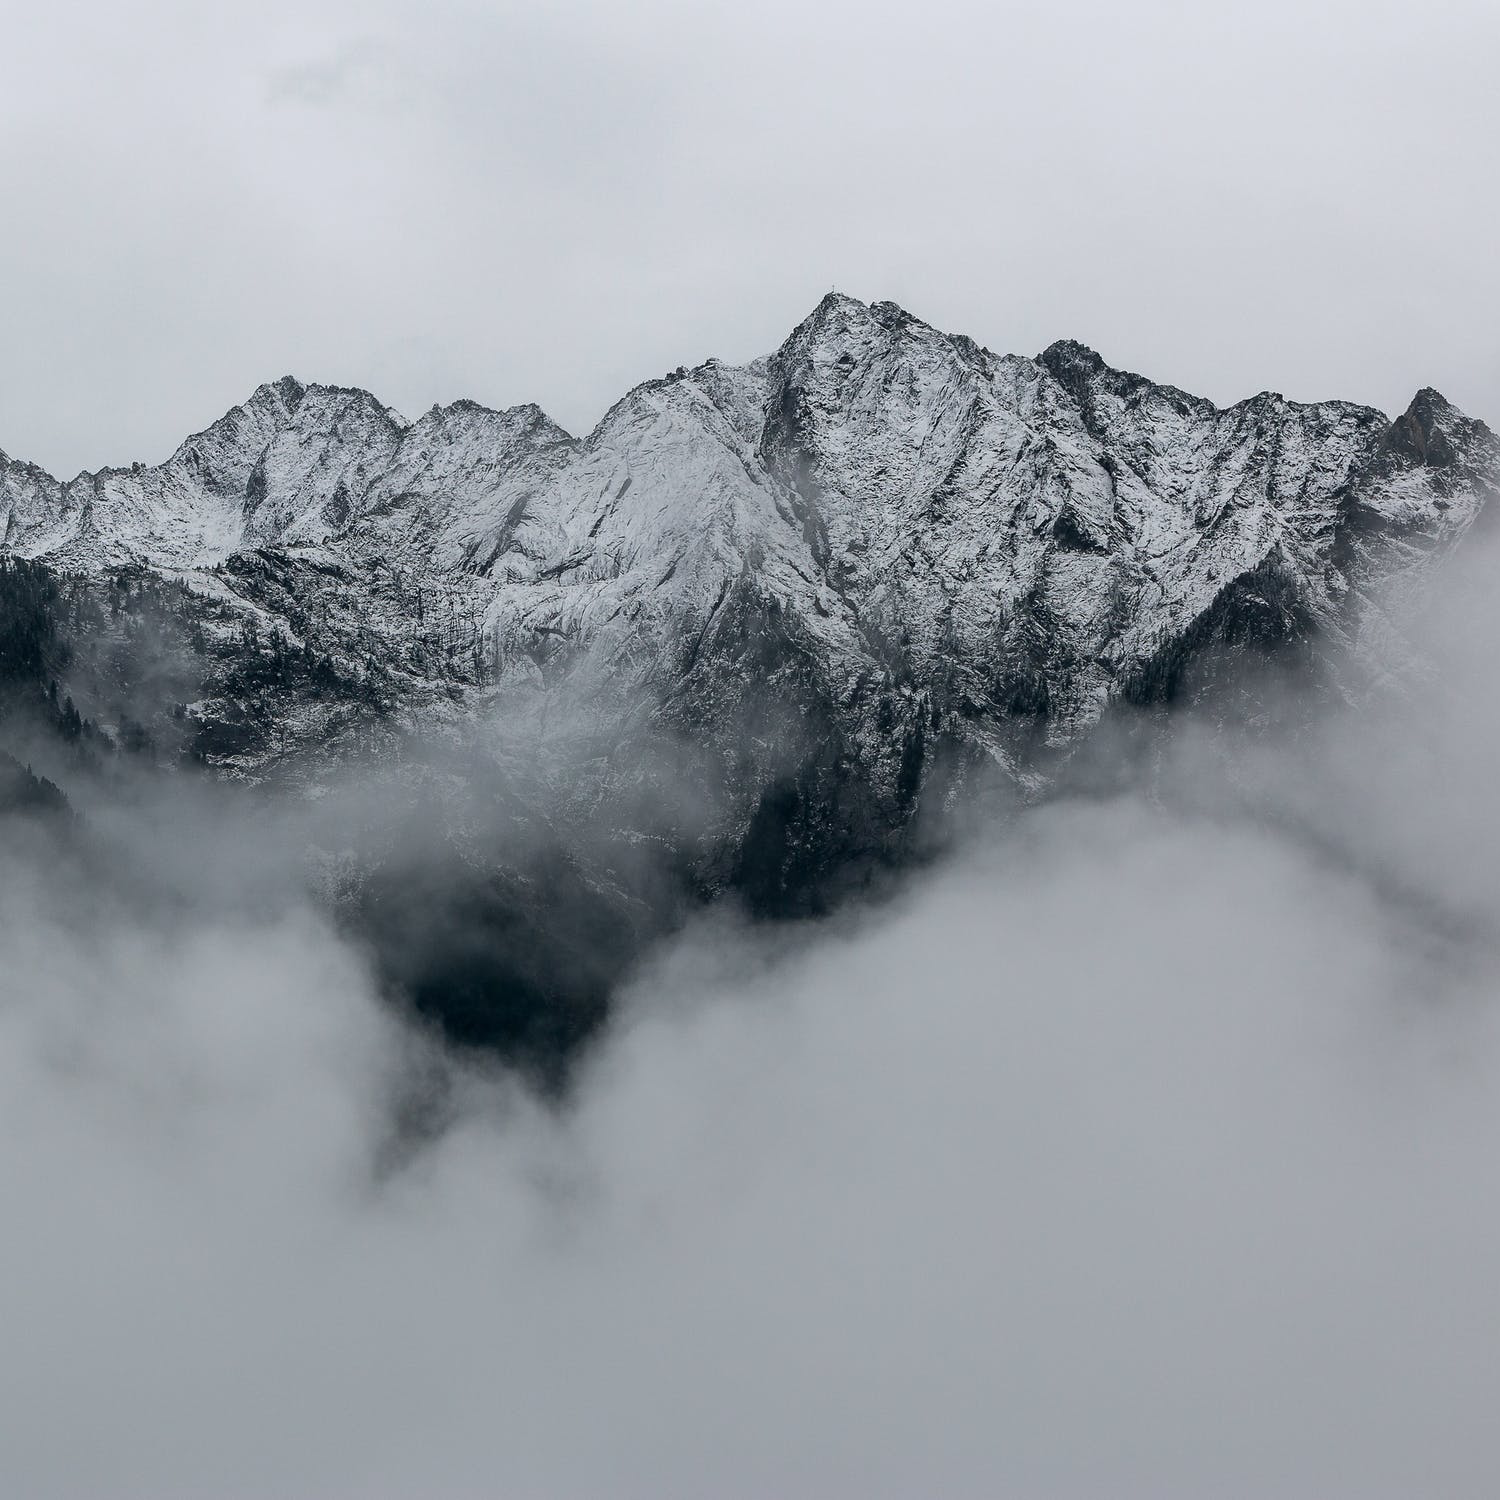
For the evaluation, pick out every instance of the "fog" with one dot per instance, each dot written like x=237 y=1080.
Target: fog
x=1143 y=1147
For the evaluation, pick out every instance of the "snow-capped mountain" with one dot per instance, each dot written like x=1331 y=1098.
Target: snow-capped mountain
x=880 y=550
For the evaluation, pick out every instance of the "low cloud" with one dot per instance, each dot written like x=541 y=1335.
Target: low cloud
x=1143 y=1148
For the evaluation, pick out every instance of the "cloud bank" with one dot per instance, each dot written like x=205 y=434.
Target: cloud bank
x=1144 y=1148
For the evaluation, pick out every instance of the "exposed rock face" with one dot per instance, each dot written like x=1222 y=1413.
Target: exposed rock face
x=759 y=612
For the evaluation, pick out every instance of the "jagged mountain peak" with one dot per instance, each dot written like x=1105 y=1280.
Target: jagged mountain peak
x=839 y=317
x=466 y=419
x=1075 y=364
x=1434 y=434
x=797 y=599
x=289 y=389
x=880 y=476
x=843 y=331
x=1430 y=411
x=834 y=304
x=289 y=404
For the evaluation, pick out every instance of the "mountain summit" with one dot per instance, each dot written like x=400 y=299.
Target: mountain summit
x=880 y=555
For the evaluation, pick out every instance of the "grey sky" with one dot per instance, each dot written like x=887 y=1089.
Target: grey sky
x=517 y=202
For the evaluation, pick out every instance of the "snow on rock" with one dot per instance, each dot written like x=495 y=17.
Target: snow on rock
x=892 y=532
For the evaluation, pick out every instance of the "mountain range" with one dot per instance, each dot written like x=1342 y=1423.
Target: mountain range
x=752 y=628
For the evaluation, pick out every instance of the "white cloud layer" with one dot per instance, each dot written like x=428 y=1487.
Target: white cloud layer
x=1145 y=1149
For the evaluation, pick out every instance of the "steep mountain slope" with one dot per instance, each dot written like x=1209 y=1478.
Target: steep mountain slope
x=1014 y=540
x=760 y=615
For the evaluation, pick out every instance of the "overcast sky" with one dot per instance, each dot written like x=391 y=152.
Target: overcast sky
x=524 y=202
